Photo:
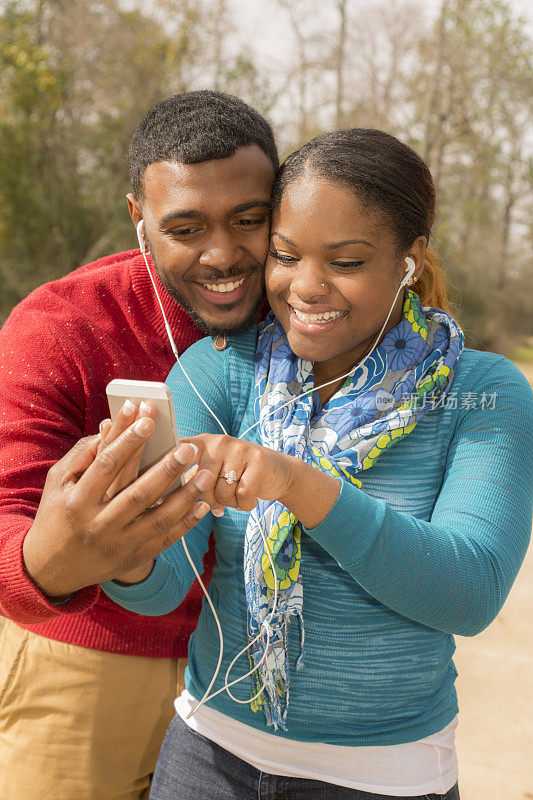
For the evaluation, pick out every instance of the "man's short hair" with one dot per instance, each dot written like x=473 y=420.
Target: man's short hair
x=197 y=126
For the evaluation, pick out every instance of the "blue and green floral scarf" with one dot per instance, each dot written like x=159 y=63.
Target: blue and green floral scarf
x=379 y=404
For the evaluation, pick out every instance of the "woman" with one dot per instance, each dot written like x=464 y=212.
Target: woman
x=395 y=501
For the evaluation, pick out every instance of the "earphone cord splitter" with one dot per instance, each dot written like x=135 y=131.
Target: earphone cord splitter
x=266 y=623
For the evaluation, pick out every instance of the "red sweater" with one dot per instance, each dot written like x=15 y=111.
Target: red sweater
x=58 y=350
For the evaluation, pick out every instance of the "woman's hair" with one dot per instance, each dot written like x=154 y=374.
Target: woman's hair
x=385 y=175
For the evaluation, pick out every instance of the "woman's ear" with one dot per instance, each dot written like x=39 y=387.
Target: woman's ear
x=417 y=253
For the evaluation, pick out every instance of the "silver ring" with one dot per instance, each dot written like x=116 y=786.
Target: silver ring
x=230 y=477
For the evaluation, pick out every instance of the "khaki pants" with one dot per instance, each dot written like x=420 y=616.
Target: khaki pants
x=79 y=724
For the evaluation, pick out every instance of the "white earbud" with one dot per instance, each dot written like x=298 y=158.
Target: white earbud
x=409 y=270
x=140 y=237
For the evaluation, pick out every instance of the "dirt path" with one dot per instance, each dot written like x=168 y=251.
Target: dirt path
x=495 y=686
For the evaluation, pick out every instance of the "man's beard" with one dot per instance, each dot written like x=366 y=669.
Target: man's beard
x=205 y=326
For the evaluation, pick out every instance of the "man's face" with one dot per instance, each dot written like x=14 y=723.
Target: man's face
x=207 y=228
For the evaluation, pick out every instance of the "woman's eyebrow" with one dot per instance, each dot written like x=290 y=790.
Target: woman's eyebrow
x=283 y=238
x=331 y=245
x=335 y=245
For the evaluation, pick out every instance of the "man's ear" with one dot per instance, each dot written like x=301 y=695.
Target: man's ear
x=134 y=209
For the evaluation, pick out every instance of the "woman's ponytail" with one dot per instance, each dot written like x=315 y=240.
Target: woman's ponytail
x=432 y=287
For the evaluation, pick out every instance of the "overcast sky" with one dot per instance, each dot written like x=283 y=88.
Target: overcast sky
x=265 y=29
x=262 y=22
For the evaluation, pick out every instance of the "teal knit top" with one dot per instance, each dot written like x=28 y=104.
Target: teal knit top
x=428 y=548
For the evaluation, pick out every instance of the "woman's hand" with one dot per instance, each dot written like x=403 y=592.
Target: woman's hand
x=252 y=471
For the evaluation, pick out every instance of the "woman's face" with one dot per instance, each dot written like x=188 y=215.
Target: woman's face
x=332 y=273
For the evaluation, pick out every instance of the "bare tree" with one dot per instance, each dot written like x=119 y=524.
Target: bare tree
x=342 y=8
x=381 y=44
x=308 y=70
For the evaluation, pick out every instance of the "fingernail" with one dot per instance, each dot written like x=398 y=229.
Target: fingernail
x=193 y=447
x=200 y=510
x=218 y=512
x=143 y=426
x=203 y=481
x=183 y=454
x=145 y=409
x=128 y=408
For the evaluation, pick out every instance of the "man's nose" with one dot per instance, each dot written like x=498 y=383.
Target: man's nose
x=221 y=250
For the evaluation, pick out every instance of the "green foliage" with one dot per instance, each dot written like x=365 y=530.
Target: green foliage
x=477 y=144
x=523 y=354
x=76 y=76
x=460 y=94
x=75 y=79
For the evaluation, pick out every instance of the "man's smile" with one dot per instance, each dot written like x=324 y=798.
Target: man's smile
x=222 y=287
x=224 y=292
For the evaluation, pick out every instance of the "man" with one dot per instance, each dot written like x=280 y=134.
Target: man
x=86 y=688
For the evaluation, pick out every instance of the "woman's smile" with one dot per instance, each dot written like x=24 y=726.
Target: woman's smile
x=313 y=321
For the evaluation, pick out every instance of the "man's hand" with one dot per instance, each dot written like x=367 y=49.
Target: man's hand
x=111 y=430
x=81 y=537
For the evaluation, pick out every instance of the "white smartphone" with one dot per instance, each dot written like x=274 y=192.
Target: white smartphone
x=158 y=396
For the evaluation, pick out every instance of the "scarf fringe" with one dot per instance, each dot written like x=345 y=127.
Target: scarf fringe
x=275 y=697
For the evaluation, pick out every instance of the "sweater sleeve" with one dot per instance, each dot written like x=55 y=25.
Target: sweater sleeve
x=453 y=572
x=172 y=576
x=41 y=418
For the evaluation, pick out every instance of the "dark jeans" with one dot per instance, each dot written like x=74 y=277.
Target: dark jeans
x=191 y=766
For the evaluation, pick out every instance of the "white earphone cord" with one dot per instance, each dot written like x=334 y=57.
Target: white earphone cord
x=266 y=622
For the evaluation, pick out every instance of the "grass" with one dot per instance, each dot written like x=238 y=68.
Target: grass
x=522 y=355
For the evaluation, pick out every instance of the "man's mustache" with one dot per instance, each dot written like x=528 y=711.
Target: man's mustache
x=230 y=274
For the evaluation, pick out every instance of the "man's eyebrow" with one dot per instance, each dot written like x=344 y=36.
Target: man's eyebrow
x=250 y=204
x=193 y=213
x=336 y=245
x=180 y=214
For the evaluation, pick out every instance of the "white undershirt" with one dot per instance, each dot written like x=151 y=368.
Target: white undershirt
x=423 y=767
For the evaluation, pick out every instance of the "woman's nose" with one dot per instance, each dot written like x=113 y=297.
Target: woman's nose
x=309 y=282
